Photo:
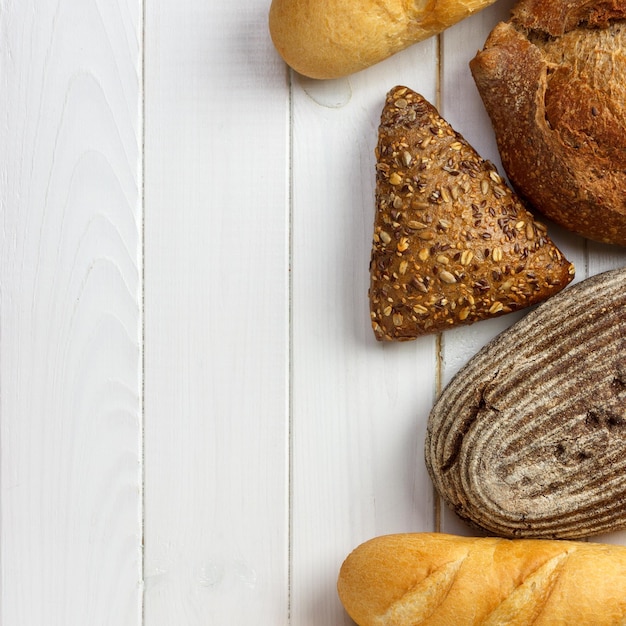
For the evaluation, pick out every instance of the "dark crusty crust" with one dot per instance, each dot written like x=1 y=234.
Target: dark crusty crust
x=452 y=243
x=553 y=80
x=558 y=17
x=529 y=438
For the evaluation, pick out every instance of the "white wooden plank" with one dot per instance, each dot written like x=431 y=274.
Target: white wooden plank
x=359 y=407
x=217 y=316
x=70 y=318
x=604 y=257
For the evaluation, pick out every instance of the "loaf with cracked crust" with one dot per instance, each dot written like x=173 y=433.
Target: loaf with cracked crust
x=333 y=38
x=553 y=80
x=452 y=243
x=444 y=580
x=529 y=438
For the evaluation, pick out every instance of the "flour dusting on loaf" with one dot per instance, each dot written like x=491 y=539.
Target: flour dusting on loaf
x=529 y=438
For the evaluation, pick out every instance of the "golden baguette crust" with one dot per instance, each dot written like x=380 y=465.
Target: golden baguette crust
x=333 y=38
x=432 y=579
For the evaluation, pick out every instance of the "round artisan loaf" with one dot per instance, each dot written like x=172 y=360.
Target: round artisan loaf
x=333 y=38
x=529 y=438
x=553 y=80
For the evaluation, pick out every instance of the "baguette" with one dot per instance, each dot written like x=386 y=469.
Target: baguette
x=431 y=579
x=529 y=438
x=333 y=38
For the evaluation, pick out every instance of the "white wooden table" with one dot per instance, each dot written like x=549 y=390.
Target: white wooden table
x=196 y=423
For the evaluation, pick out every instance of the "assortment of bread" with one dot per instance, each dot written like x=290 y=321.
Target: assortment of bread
x=443 y=580
x=553 y=80
x=452 y=243
x=528 y=441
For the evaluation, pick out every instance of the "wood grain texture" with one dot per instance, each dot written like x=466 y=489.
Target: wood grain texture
x=275 y=434
x=217 y=316
x=70 y=318
x=355 y=402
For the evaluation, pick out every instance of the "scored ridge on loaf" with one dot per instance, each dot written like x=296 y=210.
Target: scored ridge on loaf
x=529 y=438
x=452 y=243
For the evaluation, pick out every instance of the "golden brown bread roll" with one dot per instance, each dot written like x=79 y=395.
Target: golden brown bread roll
x=553 y=80
x=452 y=244
x=434 y=579
x=333 y=38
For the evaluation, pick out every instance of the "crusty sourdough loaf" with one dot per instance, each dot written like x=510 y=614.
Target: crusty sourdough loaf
x=553 y=80
x=452 y=244
x=445 y=580
x=529 y=438
x=333 y=38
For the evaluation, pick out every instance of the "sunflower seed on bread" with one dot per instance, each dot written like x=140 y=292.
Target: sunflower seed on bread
x=529 y=438
x=452 y=243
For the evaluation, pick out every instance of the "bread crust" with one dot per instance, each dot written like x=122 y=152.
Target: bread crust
x=443 y=580
x=529 y=438
x=332 y=38
x=452 y=244
x=553 y=80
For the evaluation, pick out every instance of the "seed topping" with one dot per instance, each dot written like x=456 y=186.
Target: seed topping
x=384 y=237
x=452 y=244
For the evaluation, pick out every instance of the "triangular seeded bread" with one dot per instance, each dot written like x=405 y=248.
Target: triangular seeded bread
x=452 y=243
